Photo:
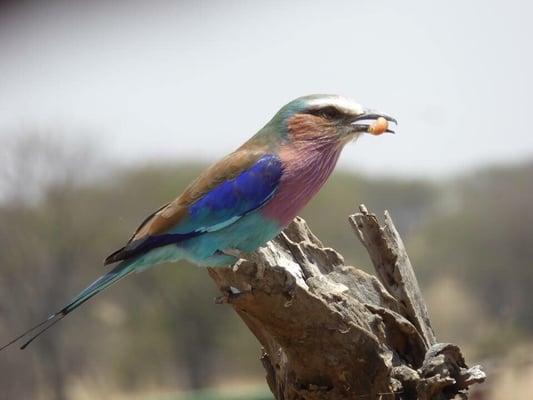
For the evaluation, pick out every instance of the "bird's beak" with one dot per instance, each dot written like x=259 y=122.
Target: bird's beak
x=374 y=122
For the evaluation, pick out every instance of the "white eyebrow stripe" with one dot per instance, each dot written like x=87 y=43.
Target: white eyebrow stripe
x=342 y=103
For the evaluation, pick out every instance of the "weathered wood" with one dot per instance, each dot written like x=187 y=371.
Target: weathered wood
x=331 y=331
x=391 y=262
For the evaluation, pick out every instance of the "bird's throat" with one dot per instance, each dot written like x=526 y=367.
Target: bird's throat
x=306 y=167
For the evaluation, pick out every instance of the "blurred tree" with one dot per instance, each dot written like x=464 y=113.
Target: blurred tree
x=483 y=239
x=411 y=202
x=42 y=236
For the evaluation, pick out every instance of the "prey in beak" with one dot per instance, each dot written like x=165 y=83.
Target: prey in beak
x=373 y=122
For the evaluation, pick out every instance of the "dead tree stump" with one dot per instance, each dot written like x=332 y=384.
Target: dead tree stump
x=331 y=331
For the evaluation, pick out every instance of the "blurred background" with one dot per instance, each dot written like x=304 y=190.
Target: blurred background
x=109 y=108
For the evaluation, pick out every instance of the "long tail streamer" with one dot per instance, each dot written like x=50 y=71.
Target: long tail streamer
x=113 y=276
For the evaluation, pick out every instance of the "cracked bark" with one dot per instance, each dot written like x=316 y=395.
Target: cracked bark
x=331 y=331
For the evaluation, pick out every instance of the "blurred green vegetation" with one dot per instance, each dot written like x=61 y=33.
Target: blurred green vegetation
x=217 y=395
x=470 y=240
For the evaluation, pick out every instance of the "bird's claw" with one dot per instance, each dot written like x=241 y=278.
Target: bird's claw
x=233 y=253
x=230 y=296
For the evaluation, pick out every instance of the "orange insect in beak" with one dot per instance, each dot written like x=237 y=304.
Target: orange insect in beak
x=373 y=122
x=379 y=126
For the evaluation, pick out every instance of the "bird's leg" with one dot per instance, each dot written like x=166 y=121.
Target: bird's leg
x=231 y=295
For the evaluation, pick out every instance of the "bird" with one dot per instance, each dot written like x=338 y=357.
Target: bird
x=245 y=199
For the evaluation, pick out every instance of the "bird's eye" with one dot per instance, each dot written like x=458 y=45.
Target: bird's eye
x=328 y=112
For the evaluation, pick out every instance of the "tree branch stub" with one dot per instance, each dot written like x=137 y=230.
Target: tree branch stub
x=332 y=331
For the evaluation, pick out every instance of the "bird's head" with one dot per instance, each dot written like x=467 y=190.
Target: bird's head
x=329 y=118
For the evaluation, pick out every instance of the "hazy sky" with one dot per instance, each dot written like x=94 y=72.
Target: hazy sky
x=182 y=80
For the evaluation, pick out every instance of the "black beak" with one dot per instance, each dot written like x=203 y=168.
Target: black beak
x=362 y=122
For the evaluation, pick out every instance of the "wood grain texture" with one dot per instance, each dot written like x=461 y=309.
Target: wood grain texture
x=332 y=331
x=391 y=262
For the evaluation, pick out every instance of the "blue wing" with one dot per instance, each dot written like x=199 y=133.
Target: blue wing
x=221 y=206
x=234 y=198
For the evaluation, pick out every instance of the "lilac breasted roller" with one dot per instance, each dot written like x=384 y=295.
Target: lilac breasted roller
x=245 y=199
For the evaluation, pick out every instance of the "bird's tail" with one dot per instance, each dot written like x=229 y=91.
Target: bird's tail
x=116 y=274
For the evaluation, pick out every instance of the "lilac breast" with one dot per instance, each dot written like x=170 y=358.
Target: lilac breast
x=305 y=170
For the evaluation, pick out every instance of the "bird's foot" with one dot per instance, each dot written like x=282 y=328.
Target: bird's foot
x=231 y=295
x=233 y=252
